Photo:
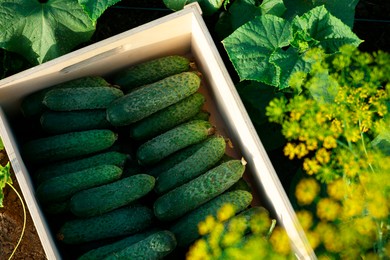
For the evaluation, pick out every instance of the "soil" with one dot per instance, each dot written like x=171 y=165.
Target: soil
x=372 y=25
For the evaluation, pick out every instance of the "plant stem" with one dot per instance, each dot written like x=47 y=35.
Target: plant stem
x=24 y=220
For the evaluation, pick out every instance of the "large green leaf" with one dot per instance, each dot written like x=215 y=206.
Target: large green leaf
x=251 y=46
x=324 y=29
x=275 y=7
x=95 y=8
x=208 y=6
x=43 y=31
x=342 y=9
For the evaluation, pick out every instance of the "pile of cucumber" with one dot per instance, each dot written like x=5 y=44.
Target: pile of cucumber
x=132 y=162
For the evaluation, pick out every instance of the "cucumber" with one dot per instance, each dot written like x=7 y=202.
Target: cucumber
x=68 y=145
x=167 y=118
x=173 y=140
x=63 y=187
x=120 y=222
x=198 y=191
x=32 y=104
x=103 y=251
x=101 y=199
x=151 y=98
x=151 y=71
x=201 y=115
x=56 y=122
x=60 y=168
x=79 y=98
x=210 y=152
x=155 y=246
x=186 y=228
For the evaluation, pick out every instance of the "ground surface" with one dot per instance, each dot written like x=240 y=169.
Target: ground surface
x=372 y=25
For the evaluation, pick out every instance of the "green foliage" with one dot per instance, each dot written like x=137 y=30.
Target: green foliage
x=1 y=145
x=43 y=31
x=5 y=177
x=208 y=6
x=337 y=126
x=266 y=37
x=95 y=8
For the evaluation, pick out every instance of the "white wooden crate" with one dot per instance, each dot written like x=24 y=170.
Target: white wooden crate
x=183 y=32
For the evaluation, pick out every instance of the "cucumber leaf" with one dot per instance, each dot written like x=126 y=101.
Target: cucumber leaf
x=251 y=46
x=95 y=8
x=1 y=145
x=208 y=6
x=320 y=27
x=5 y=177
x=342 y=9
x=43 y=31
x=275 y=7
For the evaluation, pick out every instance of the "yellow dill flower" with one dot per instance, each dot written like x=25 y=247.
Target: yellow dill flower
x=352 y=134
x=311 y=166
x=330 y=142
x=207 y=225
x=305 y=218
x=280 y=241
x=275 y=111
x=301 y=150
x=328 y=209
x=260 y=223
x=322 y=156
x=289 y=150
x=306 y=191
x=231 y=238
x=336 y=189
x=214 y=239
x=198 y=251
x=311 y=144
x=365 y=226
x=291 y=130
x=377 y=205
x=352 y=208
x=313 y=238
x=330 y=237
x=225 y=212
x=336 y=127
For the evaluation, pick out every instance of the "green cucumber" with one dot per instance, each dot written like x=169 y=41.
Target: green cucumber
x=210 y=152
x=186 y=228
x=104 y=198
x=155 y=246
x=198 y=191
x=201 y=115
x=61 y=188
x=172 y=160
x=173 y=140
x=68 y=145
x=151 y=98
x=120 y=222
x=79 y=98
x=32 y=104
x=151 y=71
x=167 y=118
x=60 y=168
x=103 y=251
x=58 y=122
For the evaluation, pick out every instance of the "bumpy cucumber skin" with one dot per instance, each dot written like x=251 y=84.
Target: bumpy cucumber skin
x=79 y=98
x=172 y=160
x=63 y=187
x=151 y=98
x=68 y=145
x=55 y=122
x=201 y=115
x=167 y=118
x=32 y=104
x=203 y=159
x=101 y=199
x=124 y=221
x=64 y=167
x=156 y=246
x=192 y=194
x=186 y=228
x=173 y=140
x=104 y=251
x=151 y=71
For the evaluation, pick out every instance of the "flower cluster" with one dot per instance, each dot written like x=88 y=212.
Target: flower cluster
x=250 y=235
x=338 y=124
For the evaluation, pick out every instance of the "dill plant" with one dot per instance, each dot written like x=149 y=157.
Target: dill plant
x=337 y=123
